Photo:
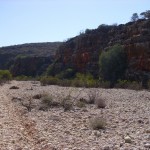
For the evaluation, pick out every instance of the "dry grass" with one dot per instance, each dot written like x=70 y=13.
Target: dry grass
x=92 y=96
x=98 y=123
x=48 y=101
x=100 y=102
x=80 y=104
x=67 y=103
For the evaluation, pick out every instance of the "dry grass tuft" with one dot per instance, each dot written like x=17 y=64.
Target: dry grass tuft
x=48 y=101
x=98 y=123
x=100 y=102
x=67 y=103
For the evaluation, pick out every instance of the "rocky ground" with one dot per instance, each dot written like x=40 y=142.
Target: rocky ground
x=25 y=126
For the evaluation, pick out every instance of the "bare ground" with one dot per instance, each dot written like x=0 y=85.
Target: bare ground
x=127 y=115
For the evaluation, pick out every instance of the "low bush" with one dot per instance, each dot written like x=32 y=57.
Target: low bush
x=49 y=80
x=87 y=81
x=122 y=84
x=149 y=84
x=98 y=123
x=79 y=81
x=80 y=104
x=67 y=103
x=92 y=96
x=125 y=84
x=23 y=78
x=100 y=102
x=104 y=84
x=65 y=82
x=5 y=76
x=48 y=101
x=84 y=80
x=134 y=85
x=66 y=74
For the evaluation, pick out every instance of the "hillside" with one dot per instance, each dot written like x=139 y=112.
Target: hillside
x=28 y=59
x=32 y=49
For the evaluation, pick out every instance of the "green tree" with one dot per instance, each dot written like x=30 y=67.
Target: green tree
x=146 y=14
x=113 y=64
x=134 y=17
x=5 y=75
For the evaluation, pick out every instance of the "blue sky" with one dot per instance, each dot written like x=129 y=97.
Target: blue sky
x=29 y=21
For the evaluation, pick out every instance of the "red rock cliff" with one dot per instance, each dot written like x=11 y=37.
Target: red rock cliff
x=82 y=52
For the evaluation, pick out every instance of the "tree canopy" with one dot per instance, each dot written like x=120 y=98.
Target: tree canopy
x=113 y=64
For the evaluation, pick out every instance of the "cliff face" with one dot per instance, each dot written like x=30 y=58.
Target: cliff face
x=82 y=52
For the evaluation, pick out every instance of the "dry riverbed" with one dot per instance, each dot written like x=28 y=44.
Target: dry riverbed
x=25 y=126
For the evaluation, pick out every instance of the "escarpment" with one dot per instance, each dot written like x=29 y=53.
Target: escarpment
x=82 y=52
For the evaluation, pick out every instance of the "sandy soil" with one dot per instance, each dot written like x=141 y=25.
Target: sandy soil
x=127 y=114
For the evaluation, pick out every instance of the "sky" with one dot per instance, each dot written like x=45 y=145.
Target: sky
x=33 y=21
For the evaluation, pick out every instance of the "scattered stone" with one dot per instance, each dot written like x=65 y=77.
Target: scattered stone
x=148 y=137
x=29 y=88
x=147 y=131
x=114 y=126
x=37 y=96
x=140 y=121
x=14 y=87
x=97 y=133
x=67 y=132
x=127 y=139
x=121 y=144
x=147 y=145
x=16 y=99
x=106 y=148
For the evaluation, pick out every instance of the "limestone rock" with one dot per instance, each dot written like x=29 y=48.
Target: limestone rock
x=127 y=139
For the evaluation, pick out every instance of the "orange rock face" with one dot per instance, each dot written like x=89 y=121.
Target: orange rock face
x=139 y=56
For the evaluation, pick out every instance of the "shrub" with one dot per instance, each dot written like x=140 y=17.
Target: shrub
x=149 y=84
x=92 y=96
x=80 y=104
x=122 y=84
x=23 y=78
x=104 y=84
x=146 y=14
x=84 y=80
x=100 y=102
x=49 y=80
x=5 y=76
x=98 y=123
x=66 y=103
x=28 y=104
x=50 y=70
x=65 y=82
x=113 y=64
x=134 y=85
x=104 y=27
x=48 y=101
x=134 y=17
x=67 y=74
x=77 y=83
